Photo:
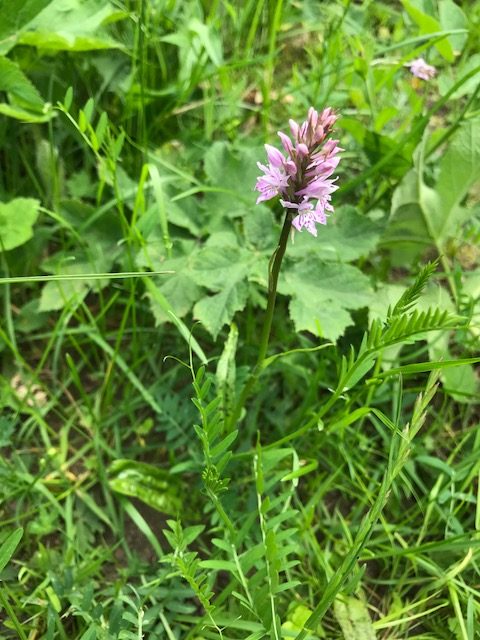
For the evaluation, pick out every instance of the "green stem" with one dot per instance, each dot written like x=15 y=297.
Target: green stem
x=349 y=562
x=273 y=273
x=11 y=613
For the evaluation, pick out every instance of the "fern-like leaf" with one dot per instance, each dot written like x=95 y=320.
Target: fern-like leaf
x=411 y=295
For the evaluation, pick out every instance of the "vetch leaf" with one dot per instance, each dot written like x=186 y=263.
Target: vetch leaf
x=224 y=444
x=17 y=218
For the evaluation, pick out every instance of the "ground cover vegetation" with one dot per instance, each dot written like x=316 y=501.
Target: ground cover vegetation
x=155 y=481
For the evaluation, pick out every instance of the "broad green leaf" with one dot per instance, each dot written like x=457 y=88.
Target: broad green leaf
x=233 y=172
x=224 y=270
x=179 y=288
x=347 y=236
x=407 y=234
x=101 y=249
x=31 y=117
x=14 y=82
x=296 y=619
x=14 y=15
x=56 y=294
x=260 y=228
x=71 y=25
x=163 y=310
x=452 y=17
x=154 y=486
x=217 y=310
x=209 y=39
x=428 y=24
x=353 y=617
x=459 y=171
x=471 y=287
x=460 y=382
x=446 y=82
x=90 y=633
x=386 y=295
x=233 y=168
x=377 y=145
x=17 y=218
x=322 y=293
x=422 y=215
x=8 y=546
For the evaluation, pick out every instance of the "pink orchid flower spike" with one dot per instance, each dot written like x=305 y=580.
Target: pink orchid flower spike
x=302 y=177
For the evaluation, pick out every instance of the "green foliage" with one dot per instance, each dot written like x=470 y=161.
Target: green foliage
x=71 y=26
x=223 y=268
x=17 y=218
x=422 y=215
x=321 y=294
x=354 y=619
x=8 y=546
x=15 y=17
x=25 y=101
x=411 y=295
x=156 y=487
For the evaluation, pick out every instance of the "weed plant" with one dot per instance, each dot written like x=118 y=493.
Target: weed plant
x=154 y=481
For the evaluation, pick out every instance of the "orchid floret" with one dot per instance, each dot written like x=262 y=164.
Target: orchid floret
x=302 y=178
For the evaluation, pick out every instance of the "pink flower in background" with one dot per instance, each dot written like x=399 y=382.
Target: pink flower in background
x=421 y=69
x=303 y=176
